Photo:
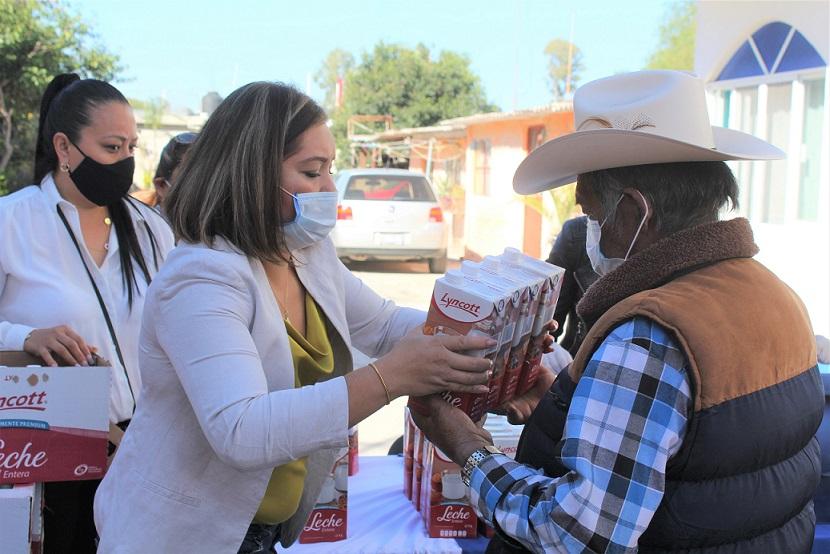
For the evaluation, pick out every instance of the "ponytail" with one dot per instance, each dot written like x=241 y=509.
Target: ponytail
x=45 y=158
x=65 y=108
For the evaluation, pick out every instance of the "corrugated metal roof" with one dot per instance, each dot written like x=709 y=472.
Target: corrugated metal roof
x=554 y=107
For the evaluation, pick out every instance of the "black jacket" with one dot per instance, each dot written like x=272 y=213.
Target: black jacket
x=568 y=252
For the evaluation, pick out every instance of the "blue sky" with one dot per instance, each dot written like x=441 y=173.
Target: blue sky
x=180 y=50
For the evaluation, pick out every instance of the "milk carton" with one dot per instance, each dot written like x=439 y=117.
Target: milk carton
x=549 y=296
x=446 y=507
x=460 y=307
x=530 y=284
x=417 y=466
x=327 y=522
x=354 y=465
x=511 y=293
x=408 y=452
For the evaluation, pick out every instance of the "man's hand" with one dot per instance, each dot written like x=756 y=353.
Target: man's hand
x=450 y=429
x=518 y=409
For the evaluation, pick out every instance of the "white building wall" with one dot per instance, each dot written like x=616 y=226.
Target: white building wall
x=797 y=251
x=495 y=221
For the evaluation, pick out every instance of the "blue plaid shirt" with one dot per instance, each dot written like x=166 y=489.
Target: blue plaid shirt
x=626 y=420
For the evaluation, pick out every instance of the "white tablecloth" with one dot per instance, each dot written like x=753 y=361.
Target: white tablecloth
x=382 y=520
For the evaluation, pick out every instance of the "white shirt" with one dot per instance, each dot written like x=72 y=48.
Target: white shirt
x=43 y=284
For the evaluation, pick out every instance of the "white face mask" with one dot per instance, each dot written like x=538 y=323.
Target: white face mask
x=316 y=216
x=601 y=264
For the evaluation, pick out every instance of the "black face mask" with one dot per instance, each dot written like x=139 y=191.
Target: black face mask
x=103 y=184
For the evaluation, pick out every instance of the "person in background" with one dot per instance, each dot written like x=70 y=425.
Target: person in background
x=78 y=255
x=249 y=389
x=687 y=419
x=568 y=252
x=171 y=157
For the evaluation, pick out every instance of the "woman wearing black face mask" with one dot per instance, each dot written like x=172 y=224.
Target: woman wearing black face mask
x=77 y=258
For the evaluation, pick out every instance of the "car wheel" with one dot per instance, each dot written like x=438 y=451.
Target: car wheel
x=438 y=265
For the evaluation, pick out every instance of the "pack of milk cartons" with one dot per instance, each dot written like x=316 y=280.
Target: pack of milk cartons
x=463 y=307
x=548 y=297
x=509 y=298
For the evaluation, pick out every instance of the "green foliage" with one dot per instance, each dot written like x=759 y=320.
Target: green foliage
x=38 y=40
x=676 y=49
x=336 y=65
x=154 y=110
x=415 y=89
x=412 y=86
x=558 y=51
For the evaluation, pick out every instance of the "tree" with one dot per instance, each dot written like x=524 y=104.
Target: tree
x=38 y=40
x=563 y=58
x=413 y=88
x=676 y=49
x=335 y=67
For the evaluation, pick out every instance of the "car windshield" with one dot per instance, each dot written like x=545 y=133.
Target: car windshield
x=389 y=187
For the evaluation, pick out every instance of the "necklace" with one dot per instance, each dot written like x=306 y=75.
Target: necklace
x=107 y=222
x=284 y=311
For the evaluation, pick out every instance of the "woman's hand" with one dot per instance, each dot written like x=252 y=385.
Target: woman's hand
x=61 y=341
x=425 y=364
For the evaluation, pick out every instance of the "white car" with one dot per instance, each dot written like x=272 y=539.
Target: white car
x=389 y=214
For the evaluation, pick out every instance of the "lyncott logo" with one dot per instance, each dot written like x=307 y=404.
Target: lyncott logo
x=449 y=302
x=33 y=401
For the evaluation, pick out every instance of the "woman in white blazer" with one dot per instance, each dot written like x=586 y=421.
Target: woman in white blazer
x=221 y=412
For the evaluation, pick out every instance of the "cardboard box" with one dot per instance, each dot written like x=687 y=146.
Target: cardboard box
x=53 y=421
x=328 y=521
x=21 y=518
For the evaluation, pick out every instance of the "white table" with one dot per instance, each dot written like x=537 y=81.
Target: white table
x=382 y=520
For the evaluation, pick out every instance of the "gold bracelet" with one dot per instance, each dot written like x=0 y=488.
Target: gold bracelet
x=382 y=382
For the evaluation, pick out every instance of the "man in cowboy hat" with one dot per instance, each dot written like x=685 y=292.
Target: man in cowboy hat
x=687 y=418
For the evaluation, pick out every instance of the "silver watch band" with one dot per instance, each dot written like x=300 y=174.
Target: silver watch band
x=475 y=459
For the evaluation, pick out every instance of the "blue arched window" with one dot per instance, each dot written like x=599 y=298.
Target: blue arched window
x=774 y=48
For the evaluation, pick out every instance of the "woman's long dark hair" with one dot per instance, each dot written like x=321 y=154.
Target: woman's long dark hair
x=65 y=108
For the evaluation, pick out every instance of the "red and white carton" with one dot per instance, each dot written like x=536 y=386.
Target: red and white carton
x=459 y=307
x=53 y=423
x=408 y=452
x=423 y=495
x=417 y=466
x=354 y=452
x=549 y=296
x=512 y=293
x=531 y=283
x=327 y=522
x=447 y=511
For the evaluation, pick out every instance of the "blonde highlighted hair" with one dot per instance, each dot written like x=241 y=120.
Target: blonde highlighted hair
x=229 y=182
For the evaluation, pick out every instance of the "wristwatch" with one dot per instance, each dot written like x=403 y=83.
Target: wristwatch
x=475 y=460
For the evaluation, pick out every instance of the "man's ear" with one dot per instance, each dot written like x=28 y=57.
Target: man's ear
x=643 y=203
x=158 y=182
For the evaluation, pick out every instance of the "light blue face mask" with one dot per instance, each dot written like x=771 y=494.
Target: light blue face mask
x=603 y=265
x=316 y=214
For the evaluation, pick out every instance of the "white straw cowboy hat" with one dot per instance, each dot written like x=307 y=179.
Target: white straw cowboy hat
x=646 y=117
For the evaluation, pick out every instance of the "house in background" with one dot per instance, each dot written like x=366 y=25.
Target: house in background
x=155 y=132
x=472 y=160
x=765 y=65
